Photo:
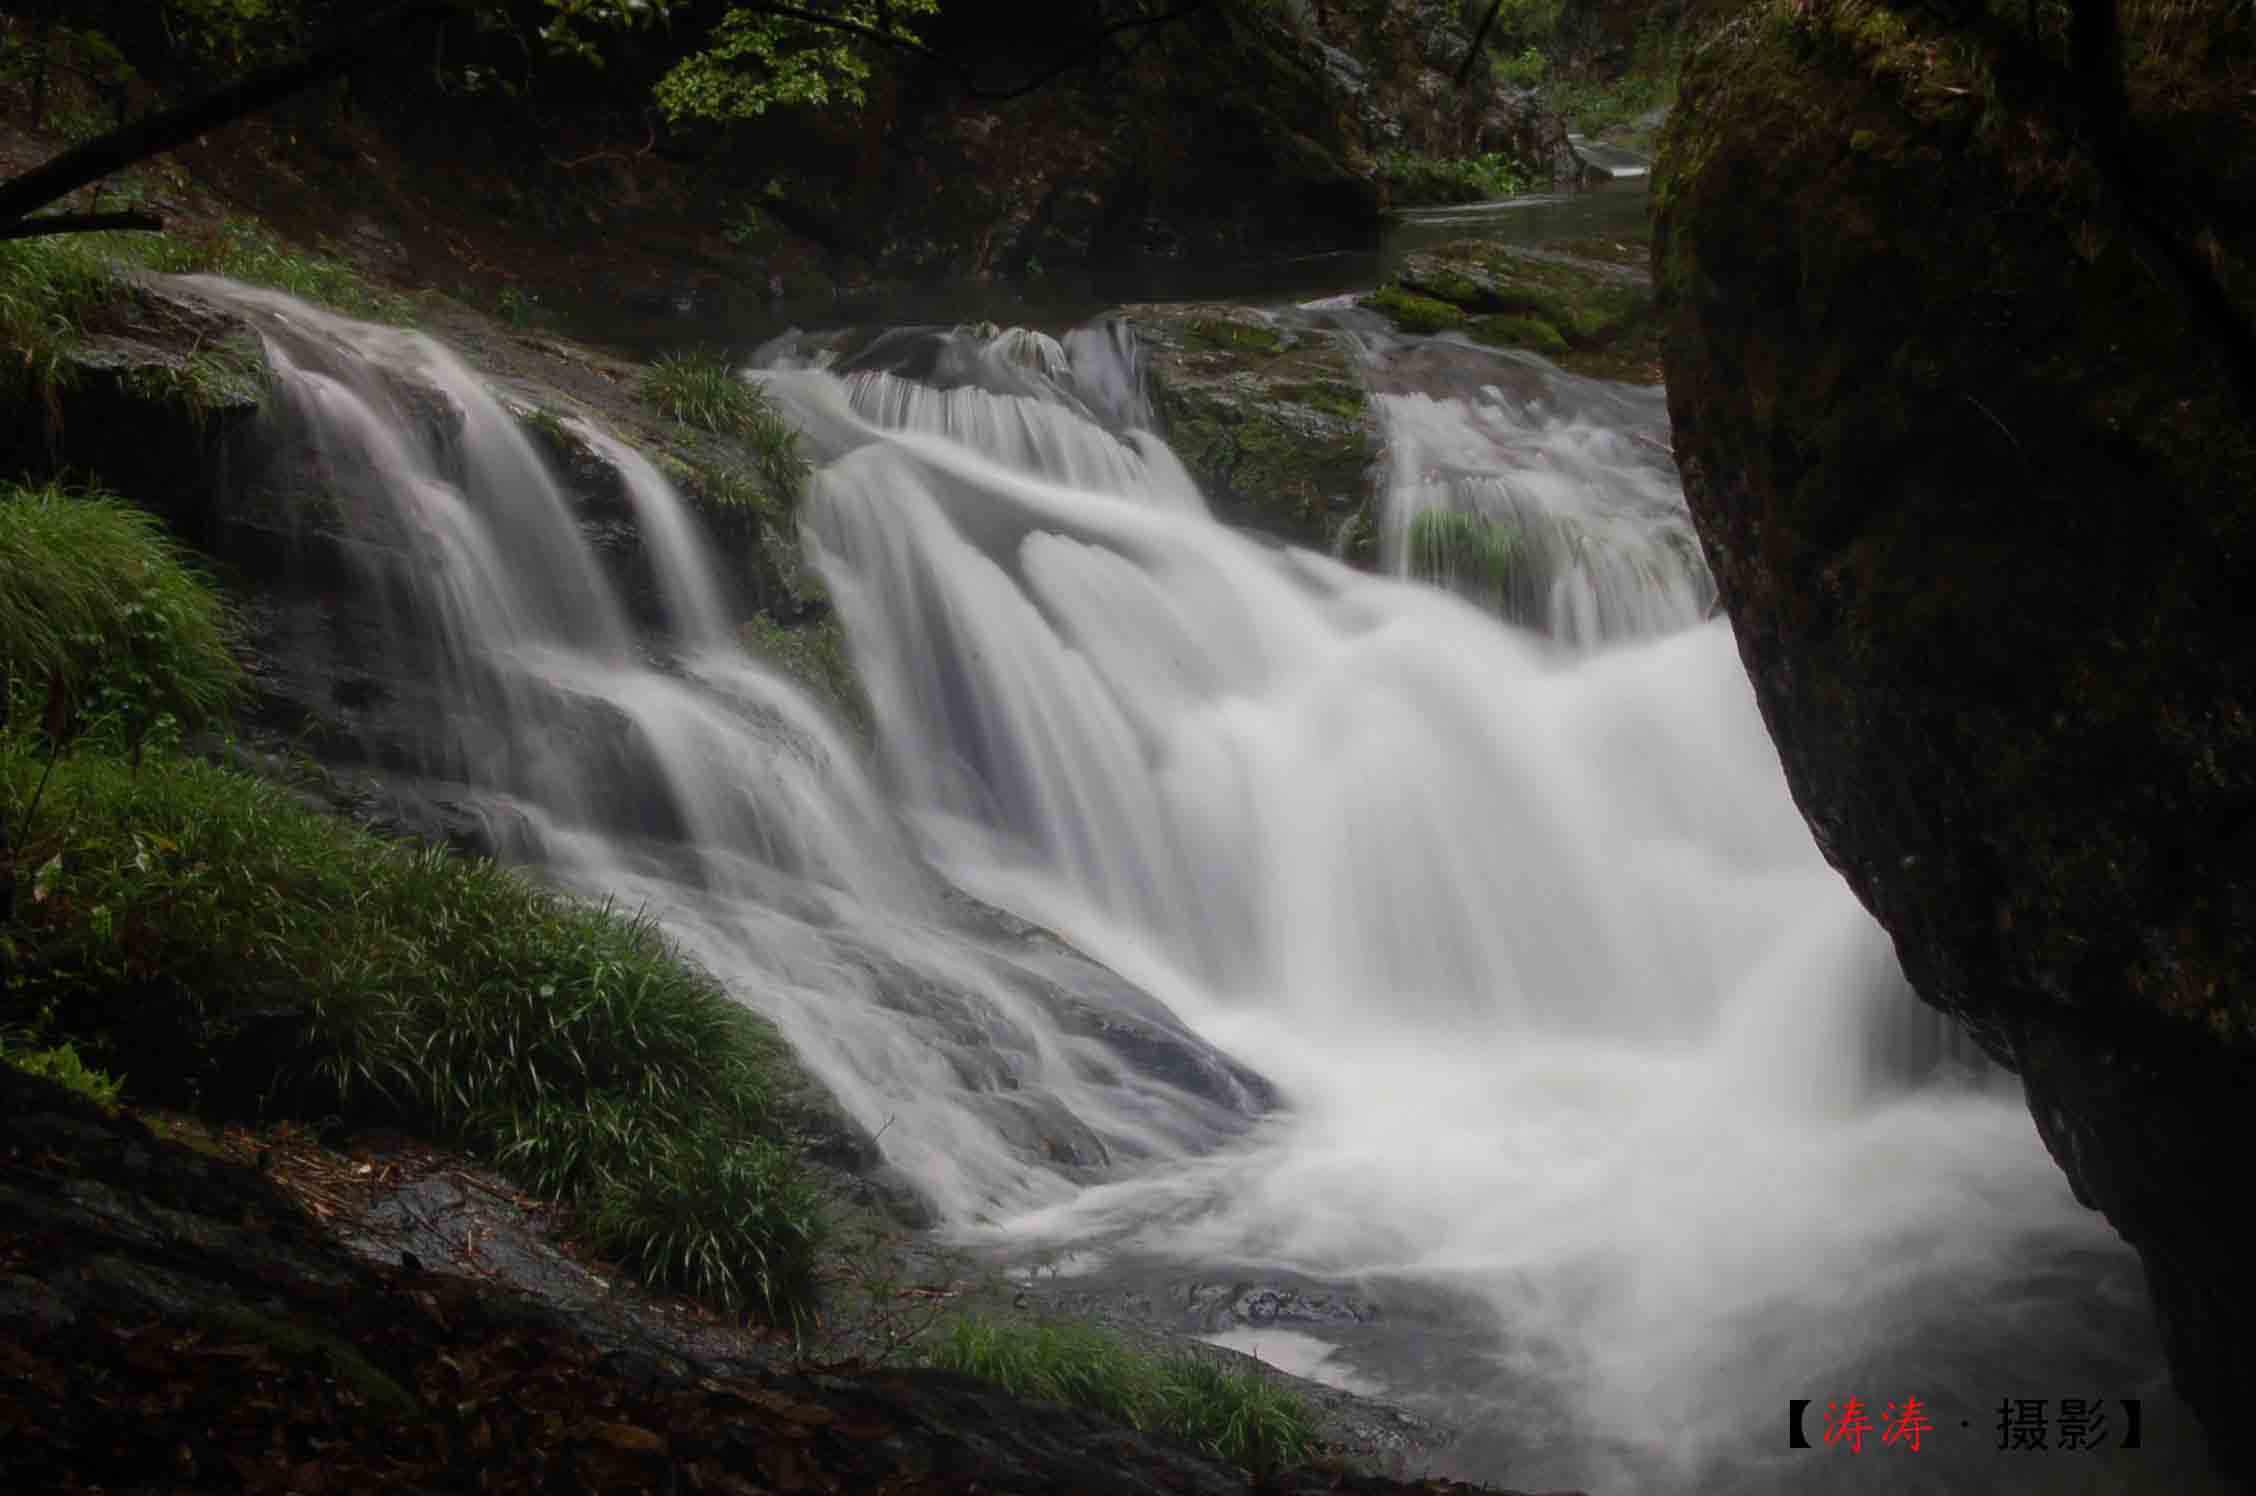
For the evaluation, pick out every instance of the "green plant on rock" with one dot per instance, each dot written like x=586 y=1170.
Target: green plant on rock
x=1244 y=1416
x=59 y=1063
x=247 y=251
x=1455 y=548
x=700 y=390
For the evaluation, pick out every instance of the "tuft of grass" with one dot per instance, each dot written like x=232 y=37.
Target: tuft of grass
x=1414 y=181
x=700 y=390
x=1464 y=549
x=728 y=1218
x=103 y=622
x=54 y=291
x=246 y=251
x=230 y=948
x=50 y=289
x=1243 y=1416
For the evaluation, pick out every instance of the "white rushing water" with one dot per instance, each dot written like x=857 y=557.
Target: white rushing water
x=1570 y=1019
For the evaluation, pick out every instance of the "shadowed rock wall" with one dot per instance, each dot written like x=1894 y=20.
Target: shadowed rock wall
x=1956 y=359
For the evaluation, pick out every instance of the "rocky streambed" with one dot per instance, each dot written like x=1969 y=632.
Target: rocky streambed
x=189 y=1310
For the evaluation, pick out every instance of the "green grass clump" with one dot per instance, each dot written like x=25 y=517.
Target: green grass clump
x=246 y=251
x=216 y=940
x=1450 y=547
x=1414 y=313
x=55 y=291
x=104 y=626
x=1245 y=1417
x=700 y=390
x=1414 y=181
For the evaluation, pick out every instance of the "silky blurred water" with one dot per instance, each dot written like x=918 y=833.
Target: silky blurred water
x=1588 y=1062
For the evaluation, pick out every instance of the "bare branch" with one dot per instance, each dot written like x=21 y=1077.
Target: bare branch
x=171 y=128
x=79 y=223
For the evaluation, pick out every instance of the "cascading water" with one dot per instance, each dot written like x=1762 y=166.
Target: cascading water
x=1581 y=1043
x=1572 y=1018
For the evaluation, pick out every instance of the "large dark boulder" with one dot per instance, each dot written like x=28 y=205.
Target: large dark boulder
x=1958 y=358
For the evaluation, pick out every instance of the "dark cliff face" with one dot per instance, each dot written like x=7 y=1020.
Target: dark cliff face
x=1957 y=366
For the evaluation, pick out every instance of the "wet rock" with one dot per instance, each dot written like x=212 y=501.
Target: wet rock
x=1962 y=409
x=197 y=1329
x=1587 y=311
x=1270 y=419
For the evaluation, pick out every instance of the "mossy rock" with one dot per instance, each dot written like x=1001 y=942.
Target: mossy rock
x=1414 y=311
x=1516 y=331
x=1593 y=315
x=1966 y=434
x=1270 y=419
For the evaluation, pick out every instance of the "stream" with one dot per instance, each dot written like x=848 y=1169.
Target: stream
x=1426 y=986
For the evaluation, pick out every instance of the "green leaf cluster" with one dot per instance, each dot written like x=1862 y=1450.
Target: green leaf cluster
x=752 y=59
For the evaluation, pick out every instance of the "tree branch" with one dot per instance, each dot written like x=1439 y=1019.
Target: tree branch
x=1480 y=39
x=171 y=128
x=79 y=223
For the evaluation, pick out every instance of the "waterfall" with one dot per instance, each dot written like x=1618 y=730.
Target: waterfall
x=1487 y=869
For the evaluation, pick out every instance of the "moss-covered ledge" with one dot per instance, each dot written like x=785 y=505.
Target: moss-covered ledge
x=1976 y=476
x=1270 y=419
x=1592 y=314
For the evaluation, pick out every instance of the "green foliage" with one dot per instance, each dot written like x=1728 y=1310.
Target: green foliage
x=213 y=937
x=1245 y=1417
x=1465 y=549
x=104 y=627
x=1420 y=181
x=60 y=1063
x=1414 y=313
x=1524 y=68
x=751 y=61
x=518 y=308
x=232 y=34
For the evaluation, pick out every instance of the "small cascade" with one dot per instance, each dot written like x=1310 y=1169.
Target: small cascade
x=681 y=775
x=1551 y=499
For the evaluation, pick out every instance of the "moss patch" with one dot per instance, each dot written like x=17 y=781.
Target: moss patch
x=1271 y=420
x=1413 y=311
x=1594 y=315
